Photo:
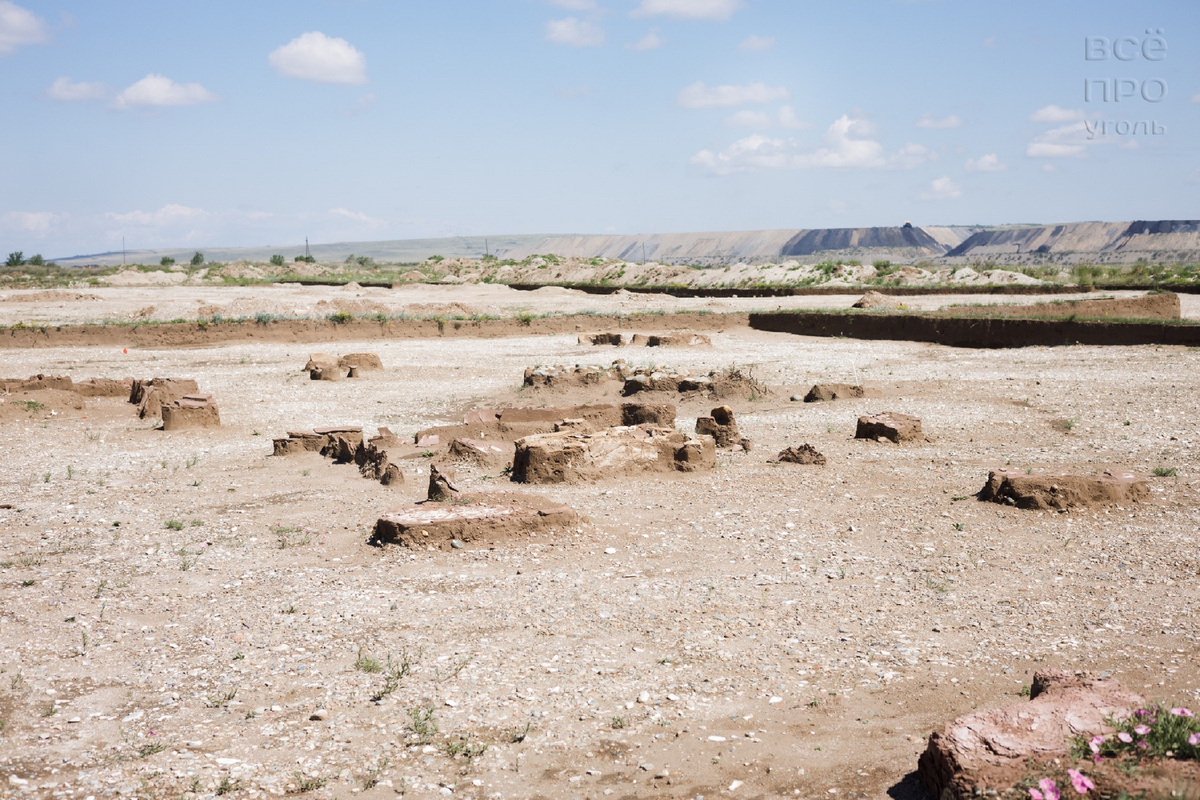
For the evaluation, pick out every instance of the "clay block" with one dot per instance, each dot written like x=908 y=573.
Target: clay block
x=721 y=426
x=364 y=362
x=570 y=457
x=150 y=396
x=671 y=340
x=478 y=451
x=891 y=426
x=614 y=339
x=824 y=392
x=660 y=415
x=191 y=411
x=1060 y=491
x=484 y=519
x=103 y=387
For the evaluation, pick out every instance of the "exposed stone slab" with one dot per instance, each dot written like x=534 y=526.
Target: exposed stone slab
x=1062 y=491
x=627 y=450
x=483 y=519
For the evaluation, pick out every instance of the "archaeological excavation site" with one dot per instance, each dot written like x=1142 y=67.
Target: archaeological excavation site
x=464 y=540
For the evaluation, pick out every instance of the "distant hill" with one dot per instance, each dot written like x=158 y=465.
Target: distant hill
x=1158 y=241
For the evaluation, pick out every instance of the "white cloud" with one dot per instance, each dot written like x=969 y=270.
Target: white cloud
x=719 y=10
x=67 y=90
x=930 y=122
x=942 y=189
x=574 y=32
x=356 y=216
x=19 y=26
x=575 y=5
x=750 y=119
x=756 y=44
x=1055 y=114
x=761 y=120
x=35 y=222
x=651 y=41
x=361 y=106
x=847 y=146
x=169 y=214
x=698 y=95
x=159 y=90
x=1068 y=141
x=987 y=163
x=316 y=57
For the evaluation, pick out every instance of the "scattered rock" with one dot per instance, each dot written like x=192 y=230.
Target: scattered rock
x=1060 y=491
x=833 y=391
x=569 y=457
x=804 y=454
x=890 y=426
x=993 y=749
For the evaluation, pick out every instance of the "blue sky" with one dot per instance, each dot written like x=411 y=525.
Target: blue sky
x=254 y=123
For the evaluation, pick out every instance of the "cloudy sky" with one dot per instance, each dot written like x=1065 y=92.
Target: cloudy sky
x=253 y=123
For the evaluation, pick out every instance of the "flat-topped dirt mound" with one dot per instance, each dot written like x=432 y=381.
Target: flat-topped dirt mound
x=1155 y=305
x=1061 y=491
x=487 y=519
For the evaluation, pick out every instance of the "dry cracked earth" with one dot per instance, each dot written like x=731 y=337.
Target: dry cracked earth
x=182 y=614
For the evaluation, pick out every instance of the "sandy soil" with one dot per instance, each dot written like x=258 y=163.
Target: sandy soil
x=98 y=304
x=183 y=613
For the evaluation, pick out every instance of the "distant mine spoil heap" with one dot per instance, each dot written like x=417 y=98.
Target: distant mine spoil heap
x=1063 y=492
x=569 y=457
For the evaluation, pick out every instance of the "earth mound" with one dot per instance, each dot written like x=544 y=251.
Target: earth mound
x=1061 y=491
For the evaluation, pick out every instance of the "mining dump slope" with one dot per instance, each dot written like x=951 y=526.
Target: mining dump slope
x=1169 y=241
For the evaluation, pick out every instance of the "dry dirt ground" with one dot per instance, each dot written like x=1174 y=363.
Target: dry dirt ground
x=184 y=614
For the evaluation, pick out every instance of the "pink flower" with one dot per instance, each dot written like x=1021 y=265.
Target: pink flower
x=1142 y=745
x=1124 y=737
x=1194 y=740
x=1034 y=794
x=1182 y=712
x=1049 y=790
x=1095 y=743
x=1142 y=730
x=1082 y=783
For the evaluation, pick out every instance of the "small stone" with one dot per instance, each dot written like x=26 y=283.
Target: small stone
x=457 y=544
x=734 y=785
x=610 y=550
x=644 y=698
x=319 y=715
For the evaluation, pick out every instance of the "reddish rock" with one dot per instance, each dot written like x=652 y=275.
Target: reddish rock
x=890 y=426
x=994 y=749
x=1061 y=491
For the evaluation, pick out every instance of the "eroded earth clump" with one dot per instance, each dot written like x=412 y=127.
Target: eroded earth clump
x=483 y=519
x=375 y=458
x=326 y=367
x=1061 y=492
x=722 y=427
x=151 y=395
x=671 y=339
x=824 y=392
x=804 y=454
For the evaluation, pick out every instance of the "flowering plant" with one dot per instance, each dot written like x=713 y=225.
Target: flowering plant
x=1153 y=732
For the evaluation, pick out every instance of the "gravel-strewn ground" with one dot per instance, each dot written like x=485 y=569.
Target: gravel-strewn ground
x=762 y=630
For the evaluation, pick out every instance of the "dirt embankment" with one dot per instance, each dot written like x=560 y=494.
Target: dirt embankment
x=1157 y=305
x=199 y=334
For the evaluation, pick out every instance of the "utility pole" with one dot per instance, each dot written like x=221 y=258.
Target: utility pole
x=306 y=255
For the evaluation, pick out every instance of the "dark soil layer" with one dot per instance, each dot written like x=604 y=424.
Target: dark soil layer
x=976 y=332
